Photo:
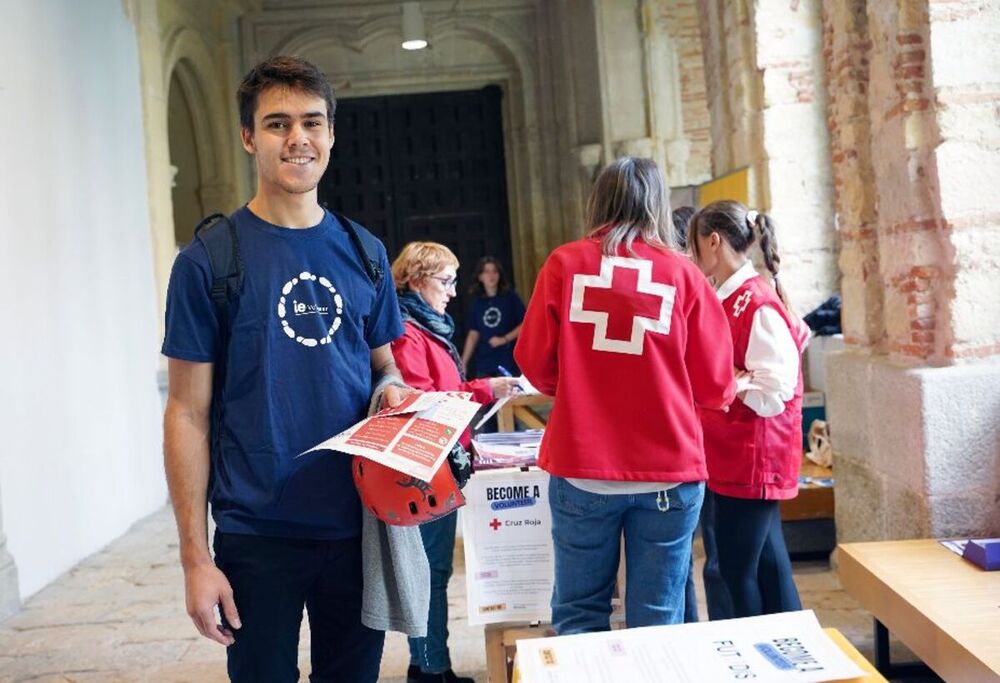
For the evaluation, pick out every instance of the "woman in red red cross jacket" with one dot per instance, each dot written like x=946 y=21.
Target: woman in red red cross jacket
x=754 y=450
x=628 y=337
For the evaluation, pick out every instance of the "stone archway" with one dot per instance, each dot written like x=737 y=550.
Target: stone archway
x=200 y=114
x=185 y=160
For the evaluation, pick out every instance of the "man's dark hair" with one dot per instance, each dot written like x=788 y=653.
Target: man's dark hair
x=289 y=72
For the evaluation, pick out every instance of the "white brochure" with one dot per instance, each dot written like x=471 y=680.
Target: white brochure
x=772 y=648
x=414 y=437
x=507 y=534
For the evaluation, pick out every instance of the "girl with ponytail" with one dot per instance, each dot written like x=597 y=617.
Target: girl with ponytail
x=754 y=450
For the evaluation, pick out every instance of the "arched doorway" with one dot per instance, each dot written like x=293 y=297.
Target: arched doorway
x=187 y=179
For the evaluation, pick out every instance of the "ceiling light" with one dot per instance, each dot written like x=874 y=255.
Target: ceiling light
x=414 y=36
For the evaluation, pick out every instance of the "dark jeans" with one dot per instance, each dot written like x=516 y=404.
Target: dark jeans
x=431 y=653
x=753 y=559
x=272 y=580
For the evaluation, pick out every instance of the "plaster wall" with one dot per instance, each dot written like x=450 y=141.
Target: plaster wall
x=81 y=458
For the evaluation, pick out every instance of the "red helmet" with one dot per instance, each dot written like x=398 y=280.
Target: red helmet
x=402 y=500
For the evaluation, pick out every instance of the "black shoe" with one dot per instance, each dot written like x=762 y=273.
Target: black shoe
x=445 y=677
x=413 y=674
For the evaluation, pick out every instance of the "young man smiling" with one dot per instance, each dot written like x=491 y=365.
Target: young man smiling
x=308 y=339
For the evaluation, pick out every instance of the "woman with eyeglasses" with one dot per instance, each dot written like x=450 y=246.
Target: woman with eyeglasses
x=425 y=278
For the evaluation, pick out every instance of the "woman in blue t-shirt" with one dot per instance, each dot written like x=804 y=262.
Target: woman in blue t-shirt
x=494 y=322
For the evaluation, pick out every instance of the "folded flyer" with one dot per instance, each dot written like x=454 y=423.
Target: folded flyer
x=414 y=438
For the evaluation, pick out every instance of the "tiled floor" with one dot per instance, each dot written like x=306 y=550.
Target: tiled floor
x=119 y=616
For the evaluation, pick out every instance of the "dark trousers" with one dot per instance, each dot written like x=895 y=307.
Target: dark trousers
x=753 y=559
x=272 y=580
x=716 y=594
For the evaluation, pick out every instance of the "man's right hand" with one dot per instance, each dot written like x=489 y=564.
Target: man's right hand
x=205 y=587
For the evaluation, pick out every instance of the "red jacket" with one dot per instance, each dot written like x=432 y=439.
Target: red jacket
x=426 y=365
x=627 y=345
x=750 y=456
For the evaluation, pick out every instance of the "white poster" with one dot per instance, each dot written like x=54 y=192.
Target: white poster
x=507 y=534
x=772 y=648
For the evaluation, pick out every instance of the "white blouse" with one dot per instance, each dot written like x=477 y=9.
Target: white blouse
x=772 y=358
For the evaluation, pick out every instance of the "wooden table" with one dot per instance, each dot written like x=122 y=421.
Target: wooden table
x=522 y=408
x=871 y=674
x=942 y=607
x=813 y=501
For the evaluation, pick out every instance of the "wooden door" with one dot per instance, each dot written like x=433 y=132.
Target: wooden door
x=425 y=167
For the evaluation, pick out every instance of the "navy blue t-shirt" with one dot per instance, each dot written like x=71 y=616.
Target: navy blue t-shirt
x=493 y=316
x=298 y=372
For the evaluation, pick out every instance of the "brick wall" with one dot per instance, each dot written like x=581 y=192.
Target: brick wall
x=965 y=68
x=846 y=52
x=681 y=19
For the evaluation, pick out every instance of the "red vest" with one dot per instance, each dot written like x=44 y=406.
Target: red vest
x=750 y=456
x=628 y=346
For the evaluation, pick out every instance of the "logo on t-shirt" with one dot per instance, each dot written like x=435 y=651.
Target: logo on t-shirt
x=492 y=316
x=301 y=308
x=315 y=300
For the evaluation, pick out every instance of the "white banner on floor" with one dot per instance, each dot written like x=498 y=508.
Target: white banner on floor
x=774 y=648
x=507 y=534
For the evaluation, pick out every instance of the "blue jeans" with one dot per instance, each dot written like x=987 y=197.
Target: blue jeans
x=431 y=653
x=586 y=533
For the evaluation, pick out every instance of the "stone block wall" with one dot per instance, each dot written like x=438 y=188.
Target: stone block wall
x=913 y=408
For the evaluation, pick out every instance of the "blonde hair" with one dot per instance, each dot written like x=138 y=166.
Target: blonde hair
x=631 y=200
x=419 y=260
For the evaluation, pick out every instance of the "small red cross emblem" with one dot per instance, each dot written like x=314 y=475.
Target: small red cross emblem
x=496 y=524
x=741 y=303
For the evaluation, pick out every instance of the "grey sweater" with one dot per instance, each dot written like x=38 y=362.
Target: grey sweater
x=397 y=583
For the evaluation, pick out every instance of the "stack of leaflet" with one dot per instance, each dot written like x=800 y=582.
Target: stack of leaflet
x=507 y=449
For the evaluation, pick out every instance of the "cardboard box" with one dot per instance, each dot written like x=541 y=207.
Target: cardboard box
x=814 y=359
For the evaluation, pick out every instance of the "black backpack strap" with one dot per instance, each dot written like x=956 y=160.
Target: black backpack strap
x=218 y=235
x=372 y=266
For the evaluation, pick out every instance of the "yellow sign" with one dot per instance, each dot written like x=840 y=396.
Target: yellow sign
x=735 y=186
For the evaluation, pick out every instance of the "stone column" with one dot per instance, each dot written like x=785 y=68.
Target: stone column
x=846 y=51
x=10 y=596
x=913 y=403
x=767 y=98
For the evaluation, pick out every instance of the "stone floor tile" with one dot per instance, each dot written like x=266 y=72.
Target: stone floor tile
x=119 y=616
